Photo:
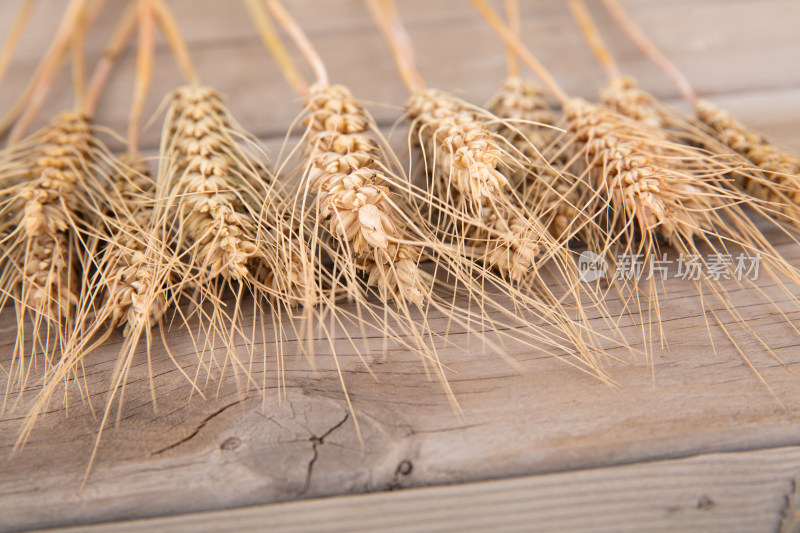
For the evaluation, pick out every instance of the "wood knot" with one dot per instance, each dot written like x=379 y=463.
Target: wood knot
x=230 y=444
x=405 y=467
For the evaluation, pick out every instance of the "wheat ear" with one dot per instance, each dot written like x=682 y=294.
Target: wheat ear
x=346 y=174
x=528 y=124
x=205 y=181
x=782 y=184
x=131 y=283
x=668 y=190
x=466 y=156
x=229 y=224
x=778 y=185
x=125 y=288
x=41 y=263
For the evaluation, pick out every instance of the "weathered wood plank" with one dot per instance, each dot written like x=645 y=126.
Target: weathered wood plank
x=233 y=450
x=457 y=51
x=731 y=492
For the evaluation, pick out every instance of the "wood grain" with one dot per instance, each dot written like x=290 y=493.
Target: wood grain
x=233 y=450
x=725 y=47
x=237 y=450
x=731 y=492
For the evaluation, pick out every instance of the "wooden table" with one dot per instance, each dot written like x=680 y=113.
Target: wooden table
x=703 y=446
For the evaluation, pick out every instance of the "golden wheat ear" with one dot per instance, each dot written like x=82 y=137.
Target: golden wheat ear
x=486 y=220
x=126 y=287
x=548 y=191
x=646 y=188
x=58 y=171
x=529 y=124
x=476 y=211
x=226 y=219
x=650 y=189
x=345 y=171
x=778 y=183
x=770 y=175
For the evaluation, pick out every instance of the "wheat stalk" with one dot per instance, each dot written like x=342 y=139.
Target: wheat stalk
x=227 y=208
x=650 y=187
x=468 y=152
x=644 y=182
x=522 y=104
x=229 y=224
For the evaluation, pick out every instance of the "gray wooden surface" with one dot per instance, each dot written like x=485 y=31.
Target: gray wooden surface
x=234 y=450
x=742 y=491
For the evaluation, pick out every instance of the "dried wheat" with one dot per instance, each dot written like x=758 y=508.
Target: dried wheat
x=345 y=172
x=205 y=178
x=623 y=95
x=125 y=288
x=466 y=150
x=132 y=292
x=526 y=116
x=636 y=176
x=466 y=156
x=782 y=170
x=229 y=226
x=43 y=246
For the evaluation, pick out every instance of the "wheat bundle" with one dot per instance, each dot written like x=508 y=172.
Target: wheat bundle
x=764 y=171
x=648 y=188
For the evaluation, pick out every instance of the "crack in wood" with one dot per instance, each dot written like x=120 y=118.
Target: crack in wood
x=789 y=513
x=200 y=426
x=315 y=441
